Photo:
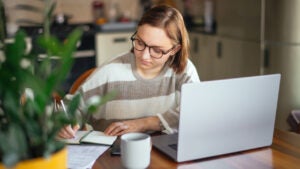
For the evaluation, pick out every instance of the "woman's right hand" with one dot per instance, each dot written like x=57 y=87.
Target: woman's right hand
x=68 y=131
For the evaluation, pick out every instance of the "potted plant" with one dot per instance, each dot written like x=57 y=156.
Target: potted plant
x=28 y=122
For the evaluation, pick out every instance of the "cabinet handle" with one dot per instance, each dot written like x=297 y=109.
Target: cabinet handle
x=120 y=40
x=266 y=58
x=195 y=46
x=219 y=49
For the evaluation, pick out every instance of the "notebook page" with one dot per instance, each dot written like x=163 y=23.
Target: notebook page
x=99 y=137
x=78 y=136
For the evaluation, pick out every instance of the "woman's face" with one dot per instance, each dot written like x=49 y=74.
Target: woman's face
x=158 y=40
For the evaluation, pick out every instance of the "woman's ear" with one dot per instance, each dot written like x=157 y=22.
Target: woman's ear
x=176 y=49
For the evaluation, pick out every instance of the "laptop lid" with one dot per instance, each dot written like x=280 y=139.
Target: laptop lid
x=226 y=116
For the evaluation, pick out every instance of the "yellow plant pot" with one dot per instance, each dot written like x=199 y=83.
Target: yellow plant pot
x=57 y=161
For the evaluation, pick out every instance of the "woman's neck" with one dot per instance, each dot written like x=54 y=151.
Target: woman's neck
x=149 y=74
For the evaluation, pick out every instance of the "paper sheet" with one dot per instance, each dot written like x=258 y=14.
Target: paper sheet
x=84 y=156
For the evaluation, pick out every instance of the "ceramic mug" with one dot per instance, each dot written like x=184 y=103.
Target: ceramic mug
x=135 y=150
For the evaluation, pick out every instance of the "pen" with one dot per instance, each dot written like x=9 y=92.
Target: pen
x=63 y=106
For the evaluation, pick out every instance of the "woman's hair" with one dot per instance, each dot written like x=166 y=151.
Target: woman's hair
x=171 y=20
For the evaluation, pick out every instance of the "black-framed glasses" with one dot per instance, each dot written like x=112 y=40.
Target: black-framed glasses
x=155 y=52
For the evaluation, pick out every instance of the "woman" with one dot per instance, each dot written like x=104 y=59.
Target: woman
x=148 y=79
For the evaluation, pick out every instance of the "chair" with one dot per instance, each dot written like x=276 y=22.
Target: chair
x=80 y=80
x=57 y=97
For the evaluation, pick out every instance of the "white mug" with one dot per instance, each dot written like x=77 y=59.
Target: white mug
x=135 y=150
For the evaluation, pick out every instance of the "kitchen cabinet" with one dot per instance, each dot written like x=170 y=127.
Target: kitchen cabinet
x=217 y=57
x=252 y=38
x=111 y=44
x=234 y=51
x=285 y=60
x=235 y=58
x=202 y=53
x=239 y=19
x=282 y=54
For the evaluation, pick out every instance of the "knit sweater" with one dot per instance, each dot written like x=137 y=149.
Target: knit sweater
x=137 y=97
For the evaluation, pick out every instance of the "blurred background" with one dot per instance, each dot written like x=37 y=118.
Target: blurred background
x=229 y=38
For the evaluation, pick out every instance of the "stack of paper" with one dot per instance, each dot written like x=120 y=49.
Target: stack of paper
x=84 y=156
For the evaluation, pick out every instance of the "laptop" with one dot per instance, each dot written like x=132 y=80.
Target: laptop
x=223 y=116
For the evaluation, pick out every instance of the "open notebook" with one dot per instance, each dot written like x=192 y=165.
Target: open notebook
x=91 y=136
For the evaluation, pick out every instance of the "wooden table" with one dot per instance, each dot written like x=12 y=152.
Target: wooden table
x=281 y=155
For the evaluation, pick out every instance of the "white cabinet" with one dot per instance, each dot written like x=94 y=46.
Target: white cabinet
x=111 y=44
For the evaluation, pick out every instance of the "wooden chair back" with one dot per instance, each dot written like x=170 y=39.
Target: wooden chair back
x=77 y=83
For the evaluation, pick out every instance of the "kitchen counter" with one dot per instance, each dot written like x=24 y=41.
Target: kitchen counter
x=117 y=27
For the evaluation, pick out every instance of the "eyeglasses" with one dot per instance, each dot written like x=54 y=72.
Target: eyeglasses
x=155 y=52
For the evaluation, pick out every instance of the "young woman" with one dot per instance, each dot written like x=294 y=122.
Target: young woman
x=148 y=79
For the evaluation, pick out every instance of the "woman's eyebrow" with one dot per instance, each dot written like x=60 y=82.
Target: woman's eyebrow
x=146 y=43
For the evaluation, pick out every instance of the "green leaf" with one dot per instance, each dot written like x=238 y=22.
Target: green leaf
x=15 y=51
x=13 y=145
x=49 y=9
x=73 y=105
x=30 y=128
x=71 y=42
x=52 y=45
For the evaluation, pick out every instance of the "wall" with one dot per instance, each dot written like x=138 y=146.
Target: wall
x=80 y=10
x=130 y=8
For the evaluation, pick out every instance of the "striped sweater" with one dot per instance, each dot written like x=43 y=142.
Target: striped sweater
x=137 y=97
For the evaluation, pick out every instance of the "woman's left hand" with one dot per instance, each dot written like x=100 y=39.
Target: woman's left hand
x=122 y=127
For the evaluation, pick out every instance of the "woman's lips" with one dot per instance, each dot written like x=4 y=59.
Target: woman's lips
x=144 y=62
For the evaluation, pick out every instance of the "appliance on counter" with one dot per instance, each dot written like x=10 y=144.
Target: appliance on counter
x=85 y=55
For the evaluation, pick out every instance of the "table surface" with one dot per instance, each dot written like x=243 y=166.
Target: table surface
x=280 y=155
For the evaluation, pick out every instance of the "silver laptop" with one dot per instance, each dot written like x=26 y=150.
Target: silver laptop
x=223 y=116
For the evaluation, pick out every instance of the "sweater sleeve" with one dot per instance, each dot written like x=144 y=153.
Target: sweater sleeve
x=170 y=119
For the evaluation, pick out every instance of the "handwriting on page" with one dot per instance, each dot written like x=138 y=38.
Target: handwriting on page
x=84 y=156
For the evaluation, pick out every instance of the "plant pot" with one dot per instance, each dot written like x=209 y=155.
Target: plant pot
x=57 y=161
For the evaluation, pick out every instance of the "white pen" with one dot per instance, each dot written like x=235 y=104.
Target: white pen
x=63 y=106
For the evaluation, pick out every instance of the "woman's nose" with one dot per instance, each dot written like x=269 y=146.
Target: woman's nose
x=146 y=53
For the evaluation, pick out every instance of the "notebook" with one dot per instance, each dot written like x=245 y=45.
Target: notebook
x=90 y=136
x=223 y=116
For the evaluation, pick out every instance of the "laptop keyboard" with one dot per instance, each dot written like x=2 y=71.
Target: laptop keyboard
x=173 y=146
